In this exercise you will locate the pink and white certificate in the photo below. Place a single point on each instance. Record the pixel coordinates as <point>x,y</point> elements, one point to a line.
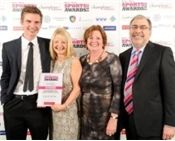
<point>50,89</point>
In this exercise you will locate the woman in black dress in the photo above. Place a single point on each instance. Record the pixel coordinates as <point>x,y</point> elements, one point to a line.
<point>100,87</point>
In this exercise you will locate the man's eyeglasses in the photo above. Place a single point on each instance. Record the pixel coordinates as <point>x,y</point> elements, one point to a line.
<point>142,27</point>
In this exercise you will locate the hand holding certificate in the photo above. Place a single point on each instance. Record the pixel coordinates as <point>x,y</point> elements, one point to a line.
<point>50,89</point>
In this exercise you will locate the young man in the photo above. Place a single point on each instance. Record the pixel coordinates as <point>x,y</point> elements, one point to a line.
<point>19,97</point>
<point>148,85</point>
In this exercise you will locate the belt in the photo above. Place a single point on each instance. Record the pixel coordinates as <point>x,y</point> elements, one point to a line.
<point>22,97</point>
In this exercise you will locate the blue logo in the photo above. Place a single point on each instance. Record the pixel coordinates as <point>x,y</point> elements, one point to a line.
<point>112,18</point>
<point>3,27</point>
<point>109,28</point>
<point>101,19</point>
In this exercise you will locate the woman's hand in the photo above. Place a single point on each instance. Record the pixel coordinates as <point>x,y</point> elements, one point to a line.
<point>58,107</point>
<point>111,127</point>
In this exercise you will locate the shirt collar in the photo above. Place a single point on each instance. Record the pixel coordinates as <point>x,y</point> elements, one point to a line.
<point>26,42</point>
<point>134,49</point>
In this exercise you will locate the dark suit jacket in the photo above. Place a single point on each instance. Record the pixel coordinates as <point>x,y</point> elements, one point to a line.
<point>11,56</point>
<point>153,89</point>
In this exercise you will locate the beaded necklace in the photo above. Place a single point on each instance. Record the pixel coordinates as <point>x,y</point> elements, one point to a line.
<point>96,61</point>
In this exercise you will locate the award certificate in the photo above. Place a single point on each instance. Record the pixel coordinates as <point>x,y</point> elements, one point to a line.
<point>50,89</point>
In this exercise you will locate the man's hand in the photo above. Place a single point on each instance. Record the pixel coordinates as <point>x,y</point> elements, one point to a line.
<point>168,132</point>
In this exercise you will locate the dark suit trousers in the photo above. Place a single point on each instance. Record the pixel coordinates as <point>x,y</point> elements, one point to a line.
<point>22,114</point>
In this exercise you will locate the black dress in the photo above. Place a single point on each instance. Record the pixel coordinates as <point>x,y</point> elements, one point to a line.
<point>100,95</point>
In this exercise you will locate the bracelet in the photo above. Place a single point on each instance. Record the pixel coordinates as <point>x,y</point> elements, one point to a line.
<point>114,117</point>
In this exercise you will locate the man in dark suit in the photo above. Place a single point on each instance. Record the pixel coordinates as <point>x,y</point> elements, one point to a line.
<point>151,85</point>
<point>19,105</point>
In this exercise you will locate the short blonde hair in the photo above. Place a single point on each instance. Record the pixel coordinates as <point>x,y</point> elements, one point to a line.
<point>67,37</point>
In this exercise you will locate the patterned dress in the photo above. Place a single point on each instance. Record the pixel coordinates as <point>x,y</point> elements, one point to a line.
<point>100,86</point>
<point>65,124</point>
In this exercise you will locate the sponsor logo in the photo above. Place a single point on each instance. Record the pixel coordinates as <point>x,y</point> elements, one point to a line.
<point>110,44</point>
<point>125,27</point>
<point>101,19</point>
<point>165,25</point>
<point>126,17</point>
<point>18,6</point>
<point>104,19</point>
<point>73,27</point>
<point>72,19</point>
<point>44,28</point>
<point>157,17</point>
<point>47,19</point>
<point>85,19</point>
<point>3,27</point>
<point>126,42</point>
<point>112,18</point>
<point>169,17</point>
<point>134,6</point>
<point>109,28</point>
<point>50,7</point>
<point>102,7</point>
<point>163,42</point>
<point>17,28</point>
<point>3,18</point>
<point>53,27</point>
<point>16,19</point>
<point>78,43</point>
<point>76,7</point>
<point>60,18</point>
<point>161,5</point>
<point>66,27</point>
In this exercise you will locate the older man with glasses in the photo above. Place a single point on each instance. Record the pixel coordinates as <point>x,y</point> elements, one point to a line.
<point>148,85</point>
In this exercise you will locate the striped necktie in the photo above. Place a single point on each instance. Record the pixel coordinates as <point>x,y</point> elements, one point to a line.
<point>133,66</point>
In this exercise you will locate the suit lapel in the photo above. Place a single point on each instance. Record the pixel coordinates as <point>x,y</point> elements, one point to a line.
<point>18,51</point>
<point>146,55</point>
<point>42,52</point>
<point>127,56</point>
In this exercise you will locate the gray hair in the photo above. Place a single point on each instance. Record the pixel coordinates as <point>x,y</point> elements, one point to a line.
<point>142,17</point>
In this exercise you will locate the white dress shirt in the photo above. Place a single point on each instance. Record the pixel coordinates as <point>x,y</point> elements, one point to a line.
<point>36,66</point>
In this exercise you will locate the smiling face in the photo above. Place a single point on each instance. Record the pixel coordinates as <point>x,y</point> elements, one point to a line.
<point>31,24</point>
<point>60,45</point>
<point>139,32</point>
<point>95,41</point>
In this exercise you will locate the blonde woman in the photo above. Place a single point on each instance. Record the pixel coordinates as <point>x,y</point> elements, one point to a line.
<point>65,124</point>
